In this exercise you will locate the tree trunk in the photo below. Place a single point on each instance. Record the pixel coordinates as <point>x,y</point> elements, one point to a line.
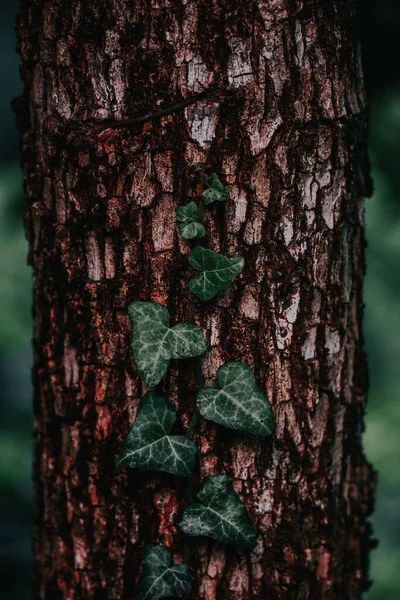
<point>122,100</point>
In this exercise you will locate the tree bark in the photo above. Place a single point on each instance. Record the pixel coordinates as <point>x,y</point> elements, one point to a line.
<point>122,100</point>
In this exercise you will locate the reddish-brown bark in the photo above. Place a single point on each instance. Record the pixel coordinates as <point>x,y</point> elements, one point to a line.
<point>281,118</point>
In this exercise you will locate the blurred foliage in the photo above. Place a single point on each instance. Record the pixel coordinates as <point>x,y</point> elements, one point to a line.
<point>382,336</point>
<point>15,275</point>
<point>15,396</point>
<point>16,509</point>
<point>379,24</point>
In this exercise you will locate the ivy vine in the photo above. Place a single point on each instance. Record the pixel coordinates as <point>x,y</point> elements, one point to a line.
<point>236,402</point>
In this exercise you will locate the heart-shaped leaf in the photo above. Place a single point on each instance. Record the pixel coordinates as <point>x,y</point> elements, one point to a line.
<point>148,444</point>
<point>154,343</point>
<point>187,216</point>
<point>188,213</point>
<point>238,403</point>
<point>219,514</point>
<point>160,578</point>
<point>216,272</point>
<point>189,231</point>
<point>216,191</point>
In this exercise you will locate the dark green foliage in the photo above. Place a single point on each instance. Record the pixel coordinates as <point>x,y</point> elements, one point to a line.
<point>161,578</point>
<point>238,403</point>
<point>189,228</point>
<point>215,190</point>
<point>154,343</point>
<point>148,444</point>
<point>219,514</point>
<point>216,272</point>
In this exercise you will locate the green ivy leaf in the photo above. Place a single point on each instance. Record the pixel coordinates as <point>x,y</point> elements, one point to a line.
<point>216,272</point>
<point>219,514</point>
<point>148,444</point>
<point>187,214</point>
<point>154,343</point>
<point>238,403</point>
<point>216,191</point>
<point>189,231</point>
<point>161,578</point>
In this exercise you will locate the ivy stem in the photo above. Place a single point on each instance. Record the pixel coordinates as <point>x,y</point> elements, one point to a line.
<point>198,368</point>
<point>199,385</point>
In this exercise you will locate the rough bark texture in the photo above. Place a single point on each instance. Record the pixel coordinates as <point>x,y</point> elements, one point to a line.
<point>268,94</point>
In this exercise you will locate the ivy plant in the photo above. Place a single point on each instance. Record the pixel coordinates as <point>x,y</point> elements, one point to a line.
<point>238,402</point>
<point>154,343</point>
<point>160,578</point>
<point>149,446</point>
<point>216,272</point>
<point>215,191</point>
<point>219,514</point>
<point>189,227</point>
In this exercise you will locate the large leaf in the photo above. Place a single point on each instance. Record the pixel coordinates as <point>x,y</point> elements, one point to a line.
<point>148,444</point>
<point>219,514</point>
<point>161,578</point>
<point>187,216</point>
<point>216,191</point>
<point>216,272</point>
<point>154,343</point>
<point>238,403</point>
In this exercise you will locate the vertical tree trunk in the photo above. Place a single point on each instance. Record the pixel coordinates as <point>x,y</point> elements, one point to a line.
<point>269,95</point>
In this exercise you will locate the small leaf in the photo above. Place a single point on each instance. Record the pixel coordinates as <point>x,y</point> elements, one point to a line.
<point>189,228</point>
<point>238,403</point>
<point>154,343</point>
<point>217,272</point>
<point>216,191</point>
<point>190,231</point>
<point>160,578</point>
<point>219,514</point>
<point>188,213</point>
<point>148,444</point>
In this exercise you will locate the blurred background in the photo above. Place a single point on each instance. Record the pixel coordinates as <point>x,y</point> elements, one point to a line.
<point>379,25</point>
